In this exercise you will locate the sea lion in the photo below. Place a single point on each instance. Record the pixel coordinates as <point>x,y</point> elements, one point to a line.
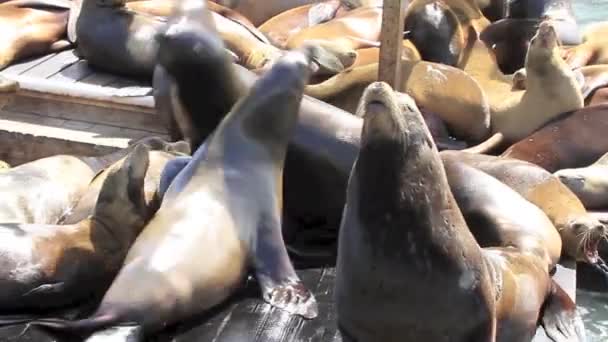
<point>401,224</point>
<point>597,97</point>
<point>250,46</point>
<point>590,184</point>
<point>188,112</point>
<point>152,196</point>
<point>575,139</point>
<point>560,12</point>
<point>551,89</point>
<point>509,40</point>
<point>588,53</point>
<point>229,202</point>
<point>42,191</point>
<point>580,232</point>
<point>372,55</point>
<point>493,9</point>
<point>31,28</point>
<point>113,38</point>
<point>359,28</point>
<point>447,91</point>
<point>500,217</point>
<point>49,266</point>
<point>257,12</point>
<point>286,24</point>
<point>440,29</point>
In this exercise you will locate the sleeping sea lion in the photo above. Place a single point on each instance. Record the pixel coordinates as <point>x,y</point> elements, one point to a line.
<point>574,139</point>
<point>551,89</point>
<point>48,266</point>
<point>113,38</point>
<point>258,12</point>
<point>31,28</point>
<point>590,184</point>
<point>580,232</point>
<point>228,200</point>
<point>44,190</point>
<point>409,269</point>
<point>447,91</point>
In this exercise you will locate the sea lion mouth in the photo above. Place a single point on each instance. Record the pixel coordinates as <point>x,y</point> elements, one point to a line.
<point>546,36</point>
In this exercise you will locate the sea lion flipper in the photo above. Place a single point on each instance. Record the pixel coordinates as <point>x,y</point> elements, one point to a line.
<point>560,319</point>
<point>330,58</point>
<point>281,287</point>
<point>322,12</point>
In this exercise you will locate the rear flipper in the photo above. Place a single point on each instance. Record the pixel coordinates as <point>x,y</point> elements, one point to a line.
<point>559,317</point>
<point>280,285</point>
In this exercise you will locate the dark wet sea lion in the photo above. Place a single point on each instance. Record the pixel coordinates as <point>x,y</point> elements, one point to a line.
<point>231,191</point>
<point>31,28</point>
<point>44,190</point>
<point>560,12</point>
<point>576,139</point>
<point>86,204</point>
<point>113,38</point>
<point>404,244</point>
<point>580,232</point>
<point>500,217</point>
<point>187,111</point>
<point>49,266</point>
<point>590,184</point>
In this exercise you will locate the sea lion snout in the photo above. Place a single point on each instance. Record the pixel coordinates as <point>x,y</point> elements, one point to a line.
<point>546,36</point>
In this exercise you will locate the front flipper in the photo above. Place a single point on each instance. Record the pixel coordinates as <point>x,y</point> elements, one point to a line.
<point>559,317</point>
<point>280,285</point>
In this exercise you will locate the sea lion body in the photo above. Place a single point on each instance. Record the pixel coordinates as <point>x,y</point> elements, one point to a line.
<point>573,140</point>
<point>372,55</point>
<point>390,237</point>
<point>31,29</point>
<point>48,266</point>
<point>500,217</point>
<point>257,12</point>
<point>580,232</point>
<point>113,38</point>
<point>447,91</point>
<point>590,184</point>
<point>359,28</point>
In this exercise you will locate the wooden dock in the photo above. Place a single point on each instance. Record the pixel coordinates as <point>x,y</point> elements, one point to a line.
<point>64,106</point>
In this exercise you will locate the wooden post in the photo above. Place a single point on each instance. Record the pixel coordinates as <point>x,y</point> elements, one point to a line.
<point>391,40</point>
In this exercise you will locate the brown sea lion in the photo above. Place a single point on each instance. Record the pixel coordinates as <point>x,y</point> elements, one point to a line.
<point>580,232</point>
<point>590,184</point>
<point>48,266</point>
<point>31,28</point>
<point>231,194</point>
<point>404,231</point>
<point>588,53</point>
<point>359,28</point>
<point>449,92</point>
<point>551,89</point>
<point>258,12</point>
<point>575,139</point>
<point>500,217</point>
<point>86,204</point>
<point>44,190</point>
<point>594,77</point>
<point>283,26</point>
<point>372,55</point>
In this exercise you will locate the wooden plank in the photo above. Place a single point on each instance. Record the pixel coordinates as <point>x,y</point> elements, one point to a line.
<point>53,65</point>
<point>393,16</point>
<point>83,93</point>
<point>19,68</point>
<point>73,73</point>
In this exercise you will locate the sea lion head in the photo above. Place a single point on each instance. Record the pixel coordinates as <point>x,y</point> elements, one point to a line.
<point>545,40</point>
<point>192,32</point>
<point>121,198</point>
<point>581,237</point>
<point>587,183</point>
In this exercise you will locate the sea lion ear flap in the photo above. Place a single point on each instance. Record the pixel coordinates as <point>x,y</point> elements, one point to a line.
<point>322,12</point>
